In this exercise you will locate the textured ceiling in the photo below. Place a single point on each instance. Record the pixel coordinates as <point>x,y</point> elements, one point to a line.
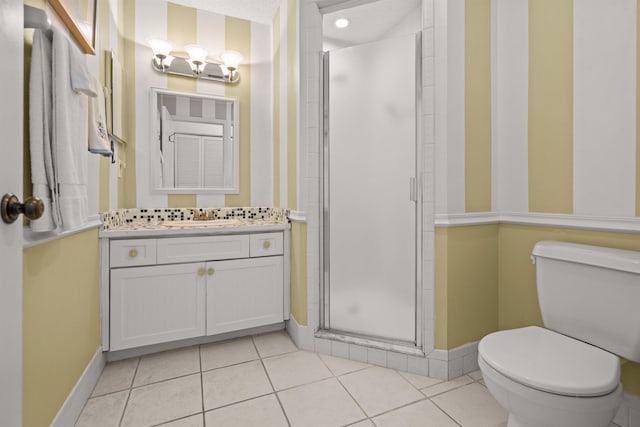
<point>252,10</point>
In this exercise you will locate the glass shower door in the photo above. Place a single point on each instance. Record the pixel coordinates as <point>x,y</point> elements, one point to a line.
<point>370,191</point>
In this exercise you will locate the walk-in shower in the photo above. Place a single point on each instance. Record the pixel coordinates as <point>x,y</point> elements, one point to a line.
<point>371,210</point>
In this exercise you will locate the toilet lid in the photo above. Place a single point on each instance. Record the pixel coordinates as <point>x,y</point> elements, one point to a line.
<point>548,361</point>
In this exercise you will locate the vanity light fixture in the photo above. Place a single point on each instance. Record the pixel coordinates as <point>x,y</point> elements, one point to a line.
<point>342,23</point>
<point>196,64</point>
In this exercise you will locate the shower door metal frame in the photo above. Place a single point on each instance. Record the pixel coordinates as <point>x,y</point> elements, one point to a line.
<point>417,190</point>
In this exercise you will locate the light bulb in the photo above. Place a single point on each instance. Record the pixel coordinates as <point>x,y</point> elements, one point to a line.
<point>231,59</point>
<point>342,23</point>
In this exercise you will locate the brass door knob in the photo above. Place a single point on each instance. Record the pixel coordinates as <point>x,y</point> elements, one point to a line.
<point>32,208</point>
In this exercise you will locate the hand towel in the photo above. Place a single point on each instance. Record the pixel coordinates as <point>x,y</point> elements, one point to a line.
<point>99,142</point>
<point>70,131</point>
<point>40,128</point>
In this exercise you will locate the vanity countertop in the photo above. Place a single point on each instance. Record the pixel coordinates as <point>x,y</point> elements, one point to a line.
<point>128,223</point>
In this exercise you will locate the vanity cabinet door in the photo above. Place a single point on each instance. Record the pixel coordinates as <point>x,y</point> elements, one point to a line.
<point>244,293</point>
<point>151,305</point>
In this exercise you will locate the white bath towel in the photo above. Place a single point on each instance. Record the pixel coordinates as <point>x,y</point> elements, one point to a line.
<point>70,130</point>
<point>99,142</point>
<point>40,128</point>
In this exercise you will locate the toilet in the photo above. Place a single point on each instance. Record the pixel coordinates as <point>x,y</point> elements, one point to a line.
<point>567,374</point>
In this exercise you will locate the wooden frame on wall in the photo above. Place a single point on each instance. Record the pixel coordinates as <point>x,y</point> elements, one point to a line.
<point>79,16</point>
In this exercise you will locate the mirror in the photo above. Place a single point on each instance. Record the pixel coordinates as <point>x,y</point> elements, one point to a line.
<point>195,146</point>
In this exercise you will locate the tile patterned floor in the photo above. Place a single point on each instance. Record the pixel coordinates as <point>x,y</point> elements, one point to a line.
<point>265,381</point>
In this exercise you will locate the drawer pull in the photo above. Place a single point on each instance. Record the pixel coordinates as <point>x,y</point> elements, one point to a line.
<point>201,272</point>
<point>133,253</point>
<point>266,244</point>
<point>210,271</point>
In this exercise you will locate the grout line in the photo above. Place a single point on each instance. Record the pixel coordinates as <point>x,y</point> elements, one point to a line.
<point>286,417</point>
<point>126,404</point>
<point>164,423</point>
<point>445,412</point>
<point>354,399</point>
<point>201,381</point>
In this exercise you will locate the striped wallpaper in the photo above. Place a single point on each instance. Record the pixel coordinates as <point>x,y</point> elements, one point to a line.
<point>560,108</point>
<point>215,32</point>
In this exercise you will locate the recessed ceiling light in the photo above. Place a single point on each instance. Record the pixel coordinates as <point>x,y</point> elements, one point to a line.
<point>342,23</point>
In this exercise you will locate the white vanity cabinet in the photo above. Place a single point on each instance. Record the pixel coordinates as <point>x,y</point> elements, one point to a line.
<point>173,288</point>
<point>244,293</point>
<point>161,303</point>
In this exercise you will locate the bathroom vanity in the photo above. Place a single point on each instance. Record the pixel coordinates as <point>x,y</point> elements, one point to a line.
<point>173,277</point>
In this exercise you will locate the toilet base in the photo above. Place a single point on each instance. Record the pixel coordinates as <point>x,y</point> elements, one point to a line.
<point>514,422</point>
<point>529,407</point>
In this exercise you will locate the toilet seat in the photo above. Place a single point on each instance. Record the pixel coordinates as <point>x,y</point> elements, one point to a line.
<point>548,361</point>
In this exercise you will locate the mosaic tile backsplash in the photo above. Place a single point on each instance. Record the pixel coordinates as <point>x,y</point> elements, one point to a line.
<point>131,217</point>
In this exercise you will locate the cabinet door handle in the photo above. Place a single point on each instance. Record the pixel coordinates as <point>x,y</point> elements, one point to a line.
<point>266,244</point>
<point>210,271</point>
<point>201,272</point>
<point>133,253</point>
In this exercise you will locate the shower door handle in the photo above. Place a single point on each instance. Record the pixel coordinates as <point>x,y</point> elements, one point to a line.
<point>413,190</point>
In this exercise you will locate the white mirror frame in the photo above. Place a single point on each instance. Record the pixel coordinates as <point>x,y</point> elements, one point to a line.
<point>154,155</point>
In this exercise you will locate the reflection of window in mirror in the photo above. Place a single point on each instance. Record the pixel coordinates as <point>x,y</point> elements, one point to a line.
<point>196,149</point>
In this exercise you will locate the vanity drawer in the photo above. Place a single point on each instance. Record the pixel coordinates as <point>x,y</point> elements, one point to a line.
<point>207,248</point>
<point>130,253</point>
<point>266,244</point>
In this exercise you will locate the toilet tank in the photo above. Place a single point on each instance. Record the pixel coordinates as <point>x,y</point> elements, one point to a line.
<point>590,293</point>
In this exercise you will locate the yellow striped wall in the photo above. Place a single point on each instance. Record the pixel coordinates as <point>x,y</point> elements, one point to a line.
<point>286,145</point>
<point>559,168</point>
<point>478,106</point>
<point>180,25</point>
<point>551,106</point>
<point>275,30</point>
<point>127,192</point>
<point>238,38</point>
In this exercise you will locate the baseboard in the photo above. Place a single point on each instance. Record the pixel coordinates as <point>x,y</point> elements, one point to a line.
<point>302,336</point>
<point>73,405</point>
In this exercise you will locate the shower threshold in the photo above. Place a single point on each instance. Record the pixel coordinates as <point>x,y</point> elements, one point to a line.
<point>395,346</point>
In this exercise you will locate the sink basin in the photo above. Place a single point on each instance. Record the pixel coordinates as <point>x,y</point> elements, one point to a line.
<point>204,223</point>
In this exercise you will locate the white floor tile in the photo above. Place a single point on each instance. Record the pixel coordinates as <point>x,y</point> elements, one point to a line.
<point>218,355</point>
<point>378,390</point>
<point>339,366</point>
<point>116,376</point>
<point>103,411</point>
<point>274,344</point>
<point>472,406</point>
<point>364,423</point>
<point>193,421</point>
<point>447,386</point>
<point>264,412</point>
<point>324,403</point>
<point>421,414</point>
<point>167,365</point>
<point>234,383</point>
<point>294,369</point>
<point>476,375</point>
<point>164,401</point>
<point>419,381</point>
